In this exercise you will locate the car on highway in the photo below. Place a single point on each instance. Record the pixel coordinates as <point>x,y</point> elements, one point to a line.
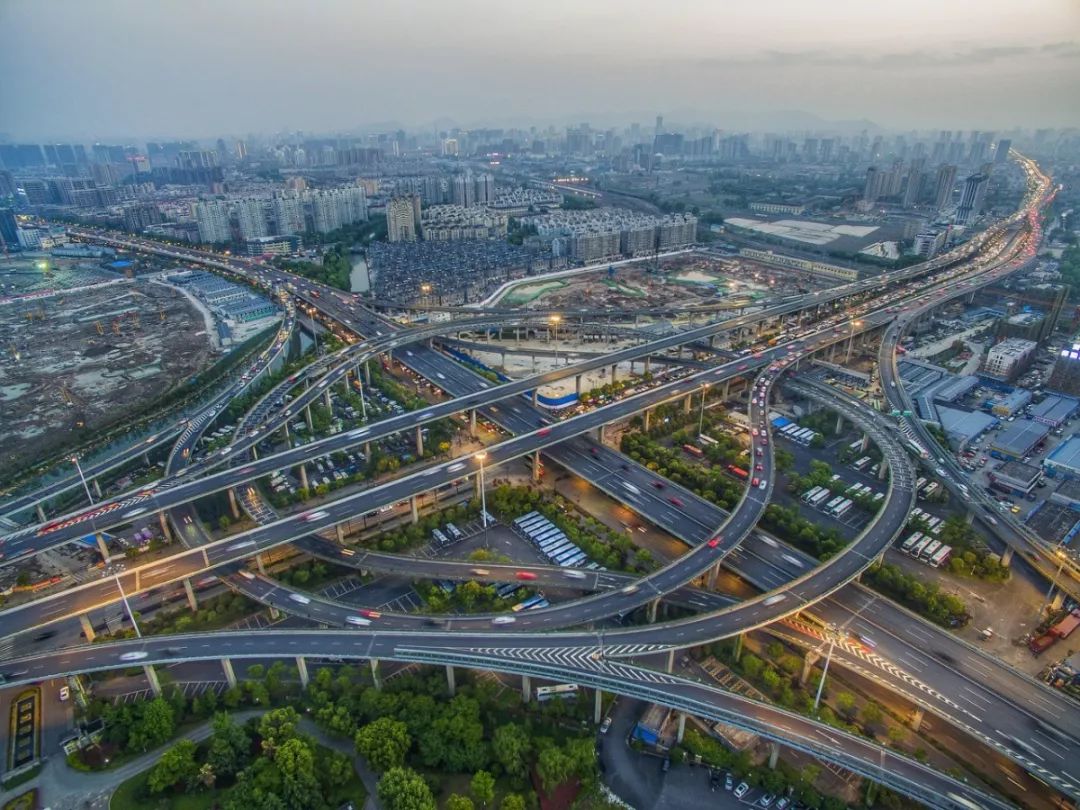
<point>676,501</point>
<point>367,613</point>
<point>480,572</point>
<point>247,575</point>
<point>504,620</point>
<point>544,432</point>
<point>575,574</point>
<point>300,599</point>
<point>359,621</point>
<point>310,516</point>
<point>631,487</point>
<point>714,542</point>
<point>774,600</point>
<point>754,482</point>
<point>239,546</point>
<point>134,656</point>
<point>525,575</point>
<point>658,484</point>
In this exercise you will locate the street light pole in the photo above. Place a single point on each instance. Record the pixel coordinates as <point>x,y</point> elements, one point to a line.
<point>701,414</point>
<point>483,494</point>
<point>824,672</point>
<point>75,461</point>
<point>555,320</point>
<point>127,605</point>
<point>851,338</point>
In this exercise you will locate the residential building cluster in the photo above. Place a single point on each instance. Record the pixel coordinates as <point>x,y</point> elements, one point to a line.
<point>443,223</point>
<point>284,214</point>
<point>594,235</point>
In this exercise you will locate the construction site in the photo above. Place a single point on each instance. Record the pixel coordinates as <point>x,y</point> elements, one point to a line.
<point>685,280</point>
<point>72,363</point>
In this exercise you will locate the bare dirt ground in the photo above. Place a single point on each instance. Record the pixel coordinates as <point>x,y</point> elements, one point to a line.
<point>74,363</point>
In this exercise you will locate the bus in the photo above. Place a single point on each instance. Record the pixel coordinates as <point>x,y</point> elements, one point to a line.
<point>577,560</point>
<point>555,551</point>
<point>808,436</point>
<point>920,483</point>
<point>790,429</point>
<point>910,542</point>
<point>562,692</point>
<point>532,524</point>
<point>879,497</point>
<point>543,603</point>
<point>835,502</point>
<point>861,463</point>
<point>694,451</point>
<point>507,589</point>
<point>916,549</point>
<point>532,601</point>
<point>941,556</point>
<point>571,553</point>
<point>440,538</point>
<point>454,531</point>
<point>706,439</point>
<point>929,550</point>
<point>853,489</point>
<point>810,493</point>
<point>541,536</point>
<point>855,446</point>
<point>554,545</point>
<point>738,472</point>
<point>819,498</point>
<point>841,508</point>
<point>930,490</point>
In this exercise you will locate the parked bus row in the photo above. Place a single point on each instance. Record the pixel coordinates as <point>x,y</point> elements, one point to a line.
<point>927,549</point>
<point>799,435</point>
<point>552,542</point>
<point>819,498</point>
<point>451,535</point>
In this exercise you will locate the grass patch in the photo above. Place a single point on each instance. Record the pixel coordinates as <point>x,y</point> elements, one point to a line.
<point>27,801</point>
<point>22,778</point>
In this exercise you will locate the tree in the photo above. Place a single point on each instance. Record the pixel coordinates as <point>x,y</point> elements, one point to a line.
<point>155,725</point>
<point>175,765</point>
<point>512,801</point>
<point>553,767</point>
<point>295,760</point>
<point>404,789</point>
<point>277,727</point>
<point>206,776</point>
<point>383,743</point>
<point>511,745</point>
<point>483,788</point>
<point>872,714</point>
<point>458,802</point>
<point>229,747</point>
<point>845,702</point>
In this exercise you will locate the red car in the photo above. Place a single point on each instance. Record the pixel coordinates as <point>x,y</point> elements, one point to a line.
<point>543,431</point>
<point>754,482</point>
<point>743,367</point>
<point>370,614</point>
<point>526,575</point>
<point>676,501</point>
<point>714,542</point>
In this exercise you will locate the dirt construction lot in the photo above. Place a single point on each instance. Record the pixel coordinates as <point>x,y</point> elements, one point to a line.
<point>75,363</point>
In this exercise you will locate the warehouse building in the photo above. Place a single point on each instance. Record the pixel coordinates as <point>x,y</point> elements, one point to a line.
<point>1015,478</point>
<point>1064,462</point>
<point>1017,440</point>
<point>1054,410</point>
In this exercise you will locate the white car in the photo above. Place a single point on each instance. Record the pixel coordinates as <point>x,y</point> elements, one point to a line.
<point>241,545</point>
<point>247,575</point>
<point>300,599</point>
<point>310,516</point>
<point>503,620</point>
<point>134,656</point>
<point>359,621</point>
<point>575,574</point>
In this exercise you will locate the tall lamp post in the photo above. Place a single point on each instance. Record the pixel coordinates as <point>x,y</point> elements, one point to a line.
<point>123,596</point>
<point>483,495</point>
<point>554,319</point>
<point>851,338</point>
<point>1054,583</point>
<point>75,461</point>
<point>701,413</point>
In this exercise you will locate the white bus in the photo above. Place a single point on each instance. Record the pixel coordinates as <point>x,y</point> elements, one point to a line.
<point>810,493</point>
<point>910,542</point>
<point>941,556</point>
<point>861,463</point>
<point>835,502</point>
<point>929,550</point>
<point>916,549</point>
<point>841,508</point>
<point>819,498</point>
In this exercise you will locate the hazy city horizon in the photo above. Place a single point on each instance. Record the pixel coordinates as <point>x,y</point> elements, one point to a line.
<point>263,68</point>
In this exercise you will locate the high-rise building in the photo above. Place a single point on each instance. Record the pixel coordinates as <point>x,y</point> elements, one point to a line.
<point>873,185</point>
<point>1002,151</point>
<point>928,243</point>
<point>212,217</point>
<point>943,187</point>
<point>140,216</point>
<point>971,198</point>
<point>241,151</point>
<point>288,212</point>
<point>402,214</point>
<point>251,218</point>
<point>9,229</point>
<point>915,179</point>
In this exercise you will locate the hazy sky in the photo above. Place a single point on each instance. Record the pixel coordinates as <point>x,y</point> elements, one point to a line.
<point>94,68</point>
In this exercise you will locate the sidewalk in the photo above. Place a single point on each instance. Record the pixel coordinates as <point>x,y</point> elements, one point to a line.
<point>61,787</point>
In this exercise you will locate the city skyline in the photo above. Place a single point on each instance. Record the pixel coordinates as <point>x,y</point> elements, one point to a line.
<point>793,66</point>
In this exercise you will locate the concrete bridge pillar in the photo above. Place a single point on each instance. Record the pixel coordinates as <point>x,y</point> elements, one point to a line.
<point>865,442</point>
<point>536,466</point>
<point>165,530</point>
<point>97,488</point>
<point>614,372</point>
<point>883,470</point>
<point>1056,602</point>
<point>1006,558</point>
<point>648,365</point>
<point>303,477</point>
<point>970,518</point>
<point>671,660</point>
<point>255,452</point>
<point>152,678</point>
<point>367,372</point>
<point>103,547</point>
<point>577,385</point>
<point>536,397</point>
<point>414,509</point>
<point>287,436</point>
<point>648,413</point>
<point>774,755</point>
<point>686,404</point>
<point>326,397</point>
<point>714,574</point>
<point>189,591</point>
<point>727,389</point>
<point>339,530</point>
<point>600,433</point>
<point>419,443</point>
<point>87,627</point>
<point>682,727</point>
<point>301,668</point>
<point>598,706</point>
<point>233,506</point>
<point>451,688</point>
<point>739,646</point>
<point>839,424</point>
<point>260,564</point>
<point>230,674</point>
<point>376,680</point>
<point>653,605</point>
<point>472,423</point>
<point>41,514</point>
<point>526,689</point>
